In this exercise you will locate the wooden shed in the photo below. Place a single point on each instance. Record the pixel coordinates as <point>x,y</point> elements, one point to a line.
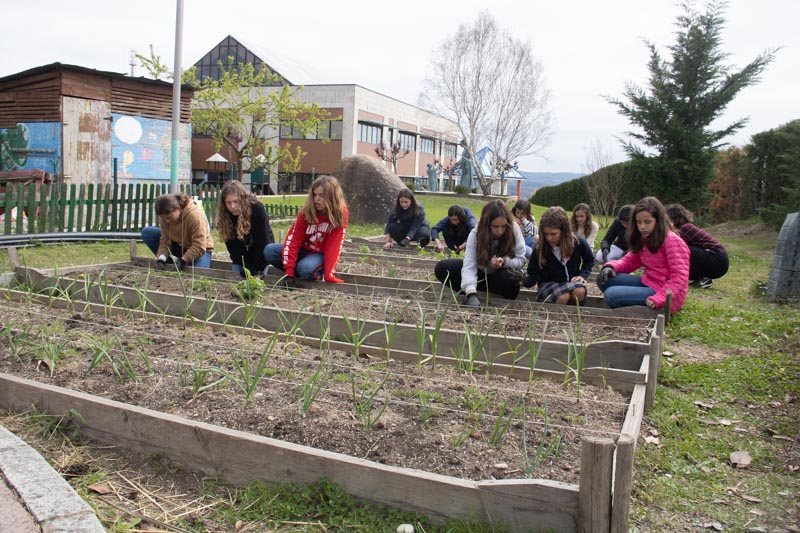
<point>72,122</point>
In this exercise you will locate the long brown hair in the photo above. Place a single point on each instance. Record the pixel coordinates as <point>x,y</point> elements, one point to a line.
<point>224,217</point>
<point>334,201</point>
<point>652,205</point>
<point>507,243</point>
<point>555,217</point>
<point>413,208</point>
<point>587,226</point>
<point>167,203</point>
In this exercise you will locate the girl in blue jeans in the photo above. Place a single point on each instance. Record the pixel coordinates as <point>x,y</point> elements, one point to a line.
<point>183,236</point>
<point>663,254</point>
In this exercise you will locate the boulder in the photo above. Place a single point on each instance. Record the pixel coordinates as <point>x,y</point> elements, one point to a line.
<point>369,188</point>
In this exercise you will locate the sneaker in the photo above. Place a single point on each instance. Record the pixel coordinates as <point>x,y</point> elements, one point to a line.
<point>703,283</point>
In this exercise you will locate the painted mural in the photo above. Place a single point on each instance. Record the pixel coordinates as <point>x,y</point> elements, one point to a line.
<point>142,147</point>
<point>31,145</point>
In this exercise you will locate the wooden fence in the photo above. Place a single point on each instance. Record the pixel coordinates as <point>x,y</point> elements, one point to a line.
<point>61,207</point>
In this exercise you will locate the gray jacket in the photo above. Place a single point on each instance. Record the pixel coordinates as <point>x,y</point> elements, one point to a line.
<point>469,270</point>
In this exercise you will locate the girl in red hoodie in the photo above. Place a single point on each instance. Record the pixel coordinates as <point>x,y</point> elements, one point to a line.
<point>312,246</point>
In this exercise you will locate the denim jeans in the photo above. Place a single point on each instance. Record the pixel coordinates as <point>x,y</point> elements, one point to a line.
<point>309,264</point>
<point>624,290</point>
<point>151,235</point>
<point>239,270</point>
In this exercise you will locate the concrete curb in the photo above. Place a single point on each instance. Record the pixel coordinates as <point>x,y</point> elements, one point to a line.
<point>42,494</point>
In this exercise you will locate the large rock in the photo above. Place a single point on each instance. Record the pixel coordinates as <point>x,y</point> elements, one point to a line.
<point>370,189</point>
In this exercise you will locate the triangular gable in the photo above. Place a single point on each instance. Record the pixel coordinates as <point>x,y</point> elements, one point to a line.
<point>241,53</point>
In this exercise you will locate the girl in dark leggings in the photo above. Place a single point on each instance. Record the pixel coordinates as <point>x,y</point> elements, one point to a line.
<point>493,258</point>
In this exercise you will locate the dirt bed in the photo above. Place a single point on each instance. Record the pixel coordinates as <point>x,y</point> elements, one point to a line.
<point>438,419</point>
<point>519,320</point>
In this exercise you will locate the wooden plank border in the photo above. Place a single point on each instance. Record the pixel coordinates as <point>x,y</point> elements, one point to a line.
<point>241,458</point>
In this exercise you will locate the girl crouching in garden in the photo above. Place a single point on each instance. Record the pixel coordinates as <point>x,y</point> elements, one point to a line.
<point>493,258</point>
<point>183,236</point>
<point>312,246</point>
<point>561,261</point>
<point>243,225</point>
<point>665,257</point>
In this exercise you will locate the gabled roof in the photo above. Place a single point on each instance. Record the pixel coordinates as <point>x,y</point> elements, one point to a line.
<point>485,158</point>
<point>292,71</point>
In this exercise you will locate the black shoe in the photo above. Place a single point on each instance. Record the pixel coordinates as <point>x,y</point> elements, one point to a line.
<point>702,283</point>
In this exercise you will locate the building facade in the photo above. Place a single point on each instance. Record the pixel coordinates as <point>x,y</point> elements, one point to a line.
<point>73,122</point>
<point>362,120</point>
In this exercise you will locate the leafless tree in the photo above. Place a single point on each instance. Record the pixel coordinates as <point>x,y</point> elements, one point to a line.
<point>603,181</point>
<point>490,84</point>
<point>391,153</point>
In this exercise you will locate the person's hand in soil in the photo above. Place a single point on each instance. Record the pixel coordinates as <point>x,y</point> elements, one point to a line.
<point>289,283</point>
<point>388,245</point>
<point>473,301</point>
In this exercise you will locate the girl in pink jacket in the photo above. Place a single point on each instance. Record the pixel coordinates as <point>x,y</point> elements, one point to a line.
<point>663,254</point>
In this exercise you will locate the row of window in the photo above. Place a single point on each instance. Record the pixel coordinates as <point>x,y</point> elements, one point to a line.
<point>373,134</point>
<point>328,129</point>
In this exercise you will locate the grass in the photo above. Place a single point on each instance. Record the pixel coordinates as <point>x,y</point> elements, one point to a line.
<point>731,384</point>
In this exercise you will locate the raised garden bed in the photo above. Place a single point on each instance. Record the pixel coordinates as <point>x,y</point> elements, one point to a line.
<point>473,477</point>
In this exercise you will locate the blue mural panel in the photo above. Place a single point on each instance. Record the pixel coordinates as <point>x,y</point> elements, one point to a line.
<point>142,147</point>
<point>31,145</point>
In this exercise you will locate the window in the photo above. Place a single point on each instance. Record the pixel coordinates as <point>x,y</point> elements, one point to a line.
<point>408,141</point>
<point>336,129</point>
<point>327,129</point>
<point>449,151</point>
<point>427,145</point>
<point>369,133</point>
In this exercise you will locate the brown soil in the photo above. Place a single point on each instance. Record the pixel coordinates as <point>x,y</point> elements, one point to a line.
<point>436,419</point>
<point>516,320</point>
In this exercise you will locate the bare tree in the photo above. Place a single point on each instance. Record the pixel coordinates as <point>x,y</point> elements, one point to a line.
<point>489,83</point>
<point>603,180</point>
<point>391,154</point>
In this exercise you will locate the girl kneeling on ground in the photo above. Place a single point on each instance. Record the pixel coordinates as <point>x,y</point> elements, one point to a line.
<point>312,246</point>
<point>493,258</point>
<point>561,261</point>
<point>183,236</point>
<point>665,257</point>
<point>243,224</point>
<point>454,229</point>
<point>407,222</point>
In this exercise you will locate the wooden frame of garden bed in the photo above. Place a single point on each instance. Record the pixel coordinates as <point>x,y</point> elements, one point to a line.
<point>616,363</point>
<point>599,503</point>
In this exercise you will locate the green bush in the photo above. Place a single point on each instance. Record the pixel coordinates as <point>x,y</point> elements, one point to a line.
<point>461,189</point>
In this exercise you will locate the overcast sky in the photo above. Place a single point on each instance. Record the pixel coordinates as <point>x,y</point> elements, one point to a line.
<point>588,48</point>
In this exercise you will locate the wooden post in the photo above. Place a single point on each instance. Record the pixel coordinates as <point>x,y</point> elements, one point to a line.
<point>133,248</point>
<point>652,372</point>
<point>594,496</point>
<point>13,258</point>
<point>668,306</point>
<point>623,476</point>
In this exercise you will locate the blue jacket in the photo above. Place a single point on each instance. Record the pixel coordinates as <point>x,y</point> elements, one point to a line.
<point>442,224</point>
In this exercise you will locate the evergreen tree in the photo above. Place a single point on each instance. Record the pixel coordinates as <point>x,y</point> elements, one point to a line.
<point>686,93</point>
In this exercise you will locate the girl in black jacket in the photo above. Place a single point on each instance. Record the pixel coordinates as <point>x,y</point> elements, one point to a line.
<point>244,226</point>
<point>407,222</point>
<point>561,261</point>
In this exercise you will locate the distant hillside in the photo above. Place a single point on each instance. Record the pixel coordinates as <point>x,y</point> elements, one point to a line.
<point>534,180</point>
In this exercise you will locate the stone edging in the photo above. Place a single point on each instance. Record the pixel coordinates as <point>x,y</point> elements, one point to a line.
<point>50,500</point>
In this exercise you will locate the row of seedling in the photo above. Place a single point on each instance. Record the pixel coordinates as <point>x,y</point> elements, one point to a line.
<point>245,372</point>
<point>470,355</point>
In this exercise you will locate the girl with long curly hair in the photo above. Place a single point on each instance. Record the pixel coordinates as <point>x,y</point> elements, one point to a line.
<point>243,225</point>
